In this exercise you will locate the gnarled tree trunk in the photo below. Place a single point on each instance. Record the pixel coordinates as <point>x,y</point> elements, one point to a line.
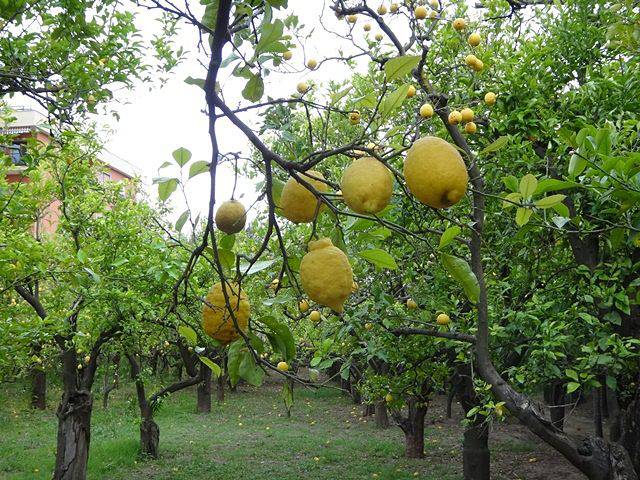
<point>38,388</point>
<point>382,418</point>
<point>204,391</point>
<point>413,428</point>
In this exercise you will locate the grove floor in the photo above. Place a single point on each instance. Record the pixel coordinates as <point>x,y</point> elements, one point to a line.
<point>249,437</point>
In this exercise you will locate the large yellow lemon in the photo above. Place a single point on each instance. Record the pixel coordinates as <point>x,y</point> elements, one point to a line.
<point>435,172</point>
<point>326,275</point>
<point>231,217</point>
<point>216,316</point>
<point>367,185</point>
<point>299,204</point>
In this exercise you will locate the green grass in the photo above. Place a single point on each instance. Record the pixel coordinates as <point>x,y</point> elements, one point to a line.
<point>247,437</point>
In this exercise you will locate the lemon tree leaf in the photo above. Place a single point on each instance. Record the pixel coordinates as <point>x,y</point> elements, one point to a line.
<point>198,167</point>
<point>528,185</point>
<point>400,66</point>
<point>495,145</point>
<point>510,199</point>
<point>280,337</point>
<point>188,333</point>
<point>166,188</point>
<point>522,216</point>
<point>461,271</point>
<point>254,89</point>
<point>181,156</point>
<point>379,258</point>
<point>214,367</point>
<point>550,201</point>
<point>182,220</point>
<point>227,257</point>
<point>248,369</point>
<point>287,395</point>
<point>256,267</point>
<point>394,100</point>
<point>449,235</point>
<point>234,357</point>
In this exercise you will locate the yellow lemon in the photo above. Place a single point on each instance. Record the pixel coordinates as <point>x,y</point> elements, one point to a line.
<point>434,4</point>
<point>459,24</point>
<point>299,204</point>
<point>315,316</point>
<point>478,65</point>
<point>368,326</point>
<point>379,37</point>
<point>455,117</point>
<point>352,18</point>
<point>287,55</point>
<point>312,63</point>
<point>354,118</point>
<point>302,88</point>
<point>474,39</point>
<point>470,127</point>
<point>282,366</point>
<point>231,217</point>
<point>216,316</point>
<point>411,304</point>
<point>490,98</point>
<point>303,305</point>
<point>443,319</point>
<point>470,60</point>
<point>411,92</point>
<point>467,114</point>
<point>367,185</point>
<point>326,275</point>
<point>394,8</point>
<point>382,9</point>
<point>426,111</point>
<point>435,172</point>
<point>420,12</point>
<point>367,27</point>
<point>388,398</point>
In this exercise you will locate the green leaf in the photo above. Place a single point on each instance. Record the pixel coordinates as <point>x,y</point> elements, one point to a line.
<point>188,334</point>
<point>166,188</point>
<point>528,185</point>
<point>211,14</point>
<point>214,367</point>
<point>198,82</point>
<point>550,201</point>
<point>283,337</point>
<point>227,241</point>
<point>227,258</point>
<point>181,156</point>
<point>577,165</point>
<point>510,199</point>
<point>182,220</point>
<point>271,33</point>
<point>394,100</point>
<point>379,258</point>
<point>461,271</point>
<point>198,167</point>
<point>552,185</point>
<point>510,182</point>
<point>523,215</point>
<point>572,374</point>
<point>449,235</point>
<point>572,387</point>
<point>287,395</point>
<point>256,267</point>
<point>248,369</point>
<point>234,357</point>
<point>400,66</point>
<point>254,89</point>
<point>496,145</point>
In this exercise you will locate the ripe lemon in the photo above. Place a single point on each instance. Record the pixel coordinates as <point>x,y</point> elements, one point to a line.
<point>367,185</point>
<point>282,366</point>
<point>352,18</point>
<point>302,88</point>
<point>355,287</point>
<point>443,319</point>
<point>420,12</point>
<point>354,118</point>
<point>478,65</point>
<point>312,63</point>
<point>326,275</point>
<point>315,316</point>
<point>426,111</point>
<point>467,114</point>
<point>474,39</point>
<point>379,37</point>
<point>368,326</point>
<point>382,9</point>
<point>216,316</point>
<point>455,117</point>
<point>303,305</point>
<point>435,172</point>
<point>470,60</point>
<point>470,127</point>
<point>490,98</point>
<point>299,204</point>
<point>287,55</point>
<point>231,217</point>
<point>411,92</point>
<point>434,4</point>
<point>388,398</point>
<point>459,24</point>
<point>394,8</point>
<point>367,27</point>
<point>411,304</point>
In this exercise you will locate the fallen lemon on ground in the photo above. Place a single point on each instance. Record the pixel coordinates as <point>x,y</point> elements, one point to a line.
<point>443,319</point>
<point>367,186</point>
<point>299,204</point>
<point>435,172</point>
<point>231,217</point>
<point>216,315</point>
<point>388,398</point>
<point>326,274</point>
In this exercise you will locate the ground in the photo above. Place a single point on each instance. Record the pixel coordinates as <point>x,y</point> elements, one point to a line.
<point>250,437</point>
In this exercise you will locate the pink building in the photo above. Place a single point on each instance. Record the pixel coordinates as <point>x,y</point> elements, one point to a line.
<point>32,124</point>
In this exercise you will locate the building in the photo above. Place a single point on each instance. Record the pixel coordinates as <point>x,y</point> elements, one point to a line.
<point>29,124</point>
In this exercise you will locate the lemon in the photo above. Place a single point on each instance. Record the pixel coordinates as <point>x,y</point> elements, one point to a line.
<point>216,315</point>
<point>434,4</point>
<point>367,27</point>
<point>282,366</point>
<point>426,111</point>
<point>312,63</point>
<point>287,55</point>
<point>455,117</point>
<point>352,18</point>
<point>470,127</point>
<point>315,316</point>
<point>474,39</point>
<point>379,37</point>
<point>299,204</point>
<point>302,88</point>
<point>411,92</point>
<point>411,304</point>
<point>354,118</point>
<point>435,172</point>
<point>326,275</point>
<point>420,12</point>
<point>443,319</point>
<point>388,398</point>
<point>467,114</point>
<point>478,65</point>
<point>367,185</point>
<point>394,8</point>
<point>303,305</point>
<point>368,326</point>
<point>355,287</point>
<point>231,217</point>
<point>490,98</point>
<point>470,60</point>
<point>459,24</point>
<point>382,9</point>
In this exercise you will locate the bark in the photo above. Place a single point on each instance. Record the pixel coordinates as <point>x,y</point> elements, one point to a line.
<point>413,428</point>
<point>204,391</point>
<point>382,418</point>
<point>220,388</point>
<point>597,413</point>
<point>627,432</point>
<point>149,437</point>
<point>368,409</point>
<point>555,398</point>
<point>38,388</point>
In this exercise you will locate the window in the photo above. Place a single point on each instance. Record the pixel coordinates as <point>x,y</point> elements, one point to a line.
<point>17,151</point>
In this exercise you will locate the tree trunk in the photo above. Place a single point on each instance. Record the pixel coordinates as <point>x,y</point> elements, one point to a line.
<point>368,409</point>
<point>382,418</point>
<point>555,398</point>
<point>626,429</point>
<point>597,413</point>
<point>74,431</point>
<point>38,388</point>
<point>149,437</point>
<point>450,396</point>
<point>413,428</point>
<point>220,390</point>
<point>476,459</point>
<point>204,391</point>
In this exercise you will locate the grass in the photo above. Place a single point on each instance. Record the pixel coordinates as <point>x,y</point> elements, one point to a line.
<point>247,437</point>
